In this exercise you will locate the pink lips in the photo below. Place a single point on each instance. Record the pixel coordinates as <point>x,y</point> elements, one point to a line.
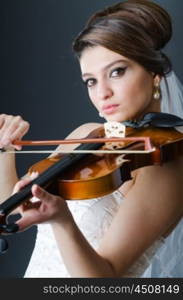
<point>109,109</point>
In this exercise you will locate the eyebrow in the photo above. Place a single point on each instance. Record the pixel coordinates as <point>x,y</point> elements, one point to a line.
<point>106,67</point>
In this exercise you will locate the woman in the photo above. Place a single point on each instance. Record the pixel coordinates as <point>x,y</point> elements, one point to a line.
<point>122,66</point>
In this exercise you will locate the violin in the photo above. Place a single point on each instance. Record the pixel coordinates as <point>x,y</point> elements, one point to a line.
<point>84,175</point>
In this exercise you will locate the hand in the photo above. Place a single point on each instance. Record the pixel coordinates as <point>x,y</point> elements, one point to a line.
<point>47,208</point>
<point>12,128</point>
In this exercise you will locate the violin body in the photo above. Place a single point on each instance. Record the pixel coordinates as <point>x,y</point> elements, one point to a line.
<point>85,176</point>
<point>96,176</point>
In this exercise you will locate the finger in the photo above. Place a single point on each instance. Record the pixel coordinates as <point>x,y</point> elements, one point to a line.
<point>14,134</point>
<point>14,128</point>
<point>23,182</point>
<point>40,193</point>
<point>30,218</point>
<point>20,184</point>
<point>4,125</point>
<point>19,133</point>
<point>2,120</point>
<point>10,122</point>
<point>30,204</point>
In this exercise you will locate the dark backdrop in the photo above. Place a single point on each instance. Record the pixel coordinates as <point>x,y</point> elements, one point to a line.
<point>40,80</point>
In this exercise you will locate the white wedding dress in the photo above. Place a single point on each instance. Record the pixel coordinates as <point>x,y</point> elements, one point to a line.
<point>93,218</point>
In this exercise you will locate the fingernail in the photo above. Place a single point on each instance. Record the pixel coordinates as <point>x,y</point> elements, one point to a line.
<point>34,175</point>
<point>34,186</point>
<point>17,147</point>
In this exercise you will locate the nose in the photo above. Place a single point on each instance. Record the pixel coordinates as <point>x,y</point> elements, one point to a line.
<point>104,91</point>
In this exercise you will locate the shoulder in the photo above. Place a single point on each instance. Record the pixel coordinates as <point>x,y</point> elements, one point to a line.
<point>164,181</point>
<point>80,132</point>
<point>158,191</point>
<point>161,176</point>
<point>83,130</point>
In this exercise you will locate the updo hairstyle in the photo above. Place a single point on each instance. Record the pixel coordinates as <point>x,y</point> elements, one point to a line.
<point>136,29</point>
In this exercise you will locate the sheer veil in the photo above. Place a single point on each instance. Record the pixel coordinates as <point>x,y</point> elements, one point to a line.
<point>168,260</point>
<point>172,95</point>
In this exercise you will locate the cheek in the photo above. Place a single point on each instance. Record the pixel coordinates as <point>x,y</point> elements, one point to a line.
<point>146,92</point>
<point>92,97</point>
<point>140,92</point>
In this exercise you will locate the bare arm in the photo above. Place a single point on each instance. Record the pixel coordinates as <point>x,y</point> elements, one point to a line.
<point>11,128</point>
<point>8,175</point>
<point>153,204</point>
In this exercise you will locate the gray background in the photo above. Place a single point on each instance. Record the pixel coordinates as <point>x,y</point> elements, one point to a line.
<point>40,80</point>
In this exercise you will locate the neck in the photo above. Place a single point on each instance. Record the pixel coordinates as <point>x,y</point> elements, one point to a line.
<point>155,106</point>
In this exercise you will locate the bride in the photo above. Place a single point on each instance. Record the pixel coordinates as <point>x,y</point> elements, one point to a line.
<point>134,231</point>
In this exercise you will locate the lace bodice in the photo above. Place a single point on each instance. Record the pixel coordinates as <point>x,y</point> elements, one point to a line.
<point>93,218</point>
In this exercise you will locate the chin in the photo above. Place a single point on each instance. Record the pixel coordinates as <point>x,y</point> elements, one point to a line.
<point>117,118</point>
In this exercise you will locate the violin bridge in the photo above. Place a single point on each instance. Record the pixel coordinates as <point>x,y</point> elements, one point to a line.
<point>114,129</point>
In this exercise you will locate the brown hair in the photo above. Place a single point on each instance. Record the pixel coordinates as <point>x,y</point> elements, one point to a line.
<point>136,29</point>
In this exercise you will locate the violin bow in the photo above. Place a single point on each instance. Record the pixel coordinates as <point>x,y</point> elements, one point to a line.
<point>146,140</point>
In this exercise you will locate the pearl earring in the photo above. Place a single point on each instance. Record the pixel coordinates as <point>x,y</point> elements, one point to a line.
<point>157,92</point>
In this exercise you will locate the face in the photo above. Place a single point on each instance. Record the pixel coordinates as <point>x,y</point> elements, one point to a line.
<point>119,88</point>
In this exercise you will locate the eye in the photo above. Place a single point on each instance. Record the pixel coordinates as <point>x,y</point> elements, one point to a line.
<point>89,82</point>
<point>118,72</point>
